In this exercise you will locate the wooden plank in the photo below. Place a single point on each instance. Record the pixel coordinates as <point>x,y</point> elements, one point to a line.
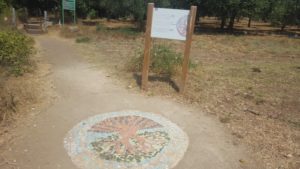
<point>187,50</point>
<point>145,72</point>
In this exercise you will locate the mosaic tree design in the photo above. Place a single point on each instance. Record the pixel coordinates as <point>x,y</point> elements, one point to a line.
<point>133,138</point>
<point>126,139</point>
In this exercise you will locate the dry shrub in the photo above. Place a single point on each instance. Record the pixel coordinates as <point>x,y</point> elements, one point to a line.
<point>14,93</point>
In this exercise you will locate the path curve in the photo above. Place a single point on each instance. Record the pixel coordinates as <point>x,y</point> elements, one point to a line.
<point>84,92</point>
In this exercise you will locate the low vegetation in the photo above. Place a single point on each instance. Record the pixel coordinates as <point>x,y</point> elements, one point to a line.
<point>164,60</point>
<point>125,32</point>
<point>15,59</point>
<point>15,51</point>
<point>82,39</point>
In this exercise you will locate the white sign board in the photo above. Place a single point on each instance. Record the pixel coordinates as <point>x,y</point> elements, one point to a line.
<point>169,23</point>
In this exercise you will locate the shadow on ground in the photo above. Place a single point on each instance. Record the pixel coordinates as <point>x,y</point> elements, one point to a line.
<point>155,78</point>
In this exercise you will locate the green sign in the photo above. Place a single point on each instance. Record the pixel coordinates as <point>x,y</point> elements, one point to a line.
<point>69,5</point>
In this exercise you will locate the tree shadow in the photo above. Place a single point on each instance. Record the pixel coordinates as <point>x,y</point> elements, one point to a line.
<point>152,78</point>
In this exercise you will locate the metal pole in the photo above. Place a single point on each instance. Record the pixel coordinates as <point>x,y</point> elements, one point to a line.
<point>14,17</point>
<point>63,15</point>
<point>45,16</point>
<point>45,20</point>
<point>74,11</point>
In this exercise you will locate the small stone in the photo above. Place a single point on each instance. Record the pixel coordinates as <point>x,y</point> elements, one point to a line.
<point>241,161</point>
<point>280,167</point>
<point>288,156</point>
<point>1,141</point>
<point>256,69</point>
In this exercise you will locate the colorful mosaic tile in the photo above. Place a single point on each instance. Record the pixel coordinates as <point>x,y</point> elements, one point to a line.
<point>126,140</point>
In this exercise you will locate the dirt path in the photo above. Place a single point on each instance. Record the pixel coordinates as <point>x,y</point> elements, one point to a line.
<point>84,92</point>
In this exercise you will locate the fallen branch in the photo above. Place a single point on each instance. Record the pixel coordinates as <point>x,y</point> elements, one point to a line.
<point>252,112</point>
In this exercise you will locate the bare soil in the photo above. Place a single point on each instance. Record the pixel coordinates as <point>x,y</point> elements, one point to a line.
<point>84,91</point>
<point>249,82</point>
<point>240,110</point>
<point>22,97</point>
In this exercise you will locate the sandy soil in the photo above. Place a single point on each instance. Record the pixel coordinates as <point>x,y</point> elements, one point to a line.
<point>84,91</point>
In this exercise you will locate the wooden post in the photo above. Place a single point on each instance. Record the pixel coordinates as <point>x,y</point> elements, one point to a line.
<point>188,43</point>
<point>146,62</point>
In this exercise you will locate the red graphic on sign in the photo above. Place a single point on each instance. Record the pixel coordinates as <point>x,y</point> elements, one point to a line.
<point>182,25</point>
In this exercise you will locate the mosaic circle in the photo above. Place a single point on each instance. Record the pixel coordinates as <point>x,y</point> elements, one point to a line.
<point>126,140</point>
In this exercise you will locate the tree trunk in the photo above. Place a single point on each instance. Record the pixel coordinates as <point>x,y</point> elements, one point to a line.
<point>249,21</point>
<point>108,16</point>
<point>283,26</point>
<point>197,16</point>
<point>223,22</point>
<point>231,22</point>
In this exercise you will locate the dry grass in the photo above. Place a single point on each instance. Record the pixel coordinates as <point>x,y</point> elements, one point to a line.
<point>250,83</point>
<point>261,70</point>
<point>18,94</point>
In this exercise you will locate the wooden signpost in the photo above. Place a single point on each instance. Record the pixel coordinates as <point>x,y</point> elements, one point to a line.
<point>169,24</point>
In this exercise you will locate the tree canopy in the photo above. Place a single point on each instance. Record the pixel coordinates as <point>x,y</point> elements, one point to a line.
<point>278,12</point>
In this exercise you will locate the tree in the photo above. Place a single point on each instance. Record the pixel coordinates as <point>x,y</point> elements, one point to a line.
<point>138,10</point>
<point>2,5</point>
<point>226,9</point>
<point>286,12</point>
<point>82,7</point>
<point>35,7</point>
<point>253,9</point>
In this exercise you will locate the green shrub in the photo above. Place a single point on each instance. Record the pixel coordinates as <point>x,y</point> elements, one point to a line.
<point>124,32</point>
<point>2,5</point>
<point>22,15</point>
<point>82,39</point>
<point>92,14</point>
<point>5,19</point>
<point>163,60</point>
<point>15,49</point>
